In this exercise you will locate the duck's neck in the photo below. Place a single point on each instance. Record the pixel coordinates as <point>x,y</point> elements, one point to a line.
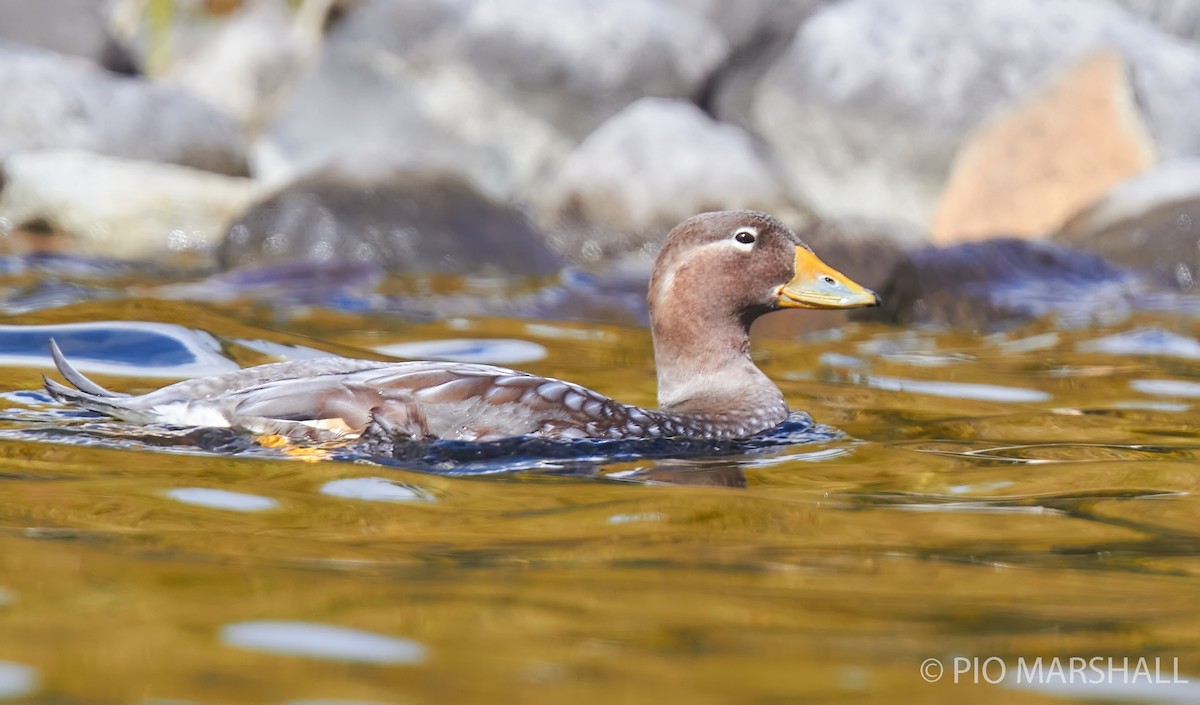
<point>704,367</point>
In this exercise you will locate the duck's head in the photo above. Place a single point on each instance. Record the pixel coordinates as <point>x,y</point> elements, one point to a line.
<point>744,264</point>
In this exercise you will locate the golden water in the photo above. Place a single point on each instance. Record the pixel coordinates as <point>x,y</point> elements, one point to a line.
<point>940,527</point>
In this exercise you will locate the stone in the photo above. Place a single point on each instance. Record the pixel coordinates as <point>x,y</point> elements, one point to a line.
<point>51,101</point>
<point>1026,172</point>
<point>246,65</point>
<point>89,204</point>
<point>869,106</point>
<point>758,31</point>
<point>1178,17</point>
<point>1000,283</point>
<point>579,64</point>
<point>73,27</point>
<point>1162,241</point>
<point>656,163</point>
<point>1150,223</point>
<point>1165,183</point>
<point>478,89</point>
<point>405,220</point>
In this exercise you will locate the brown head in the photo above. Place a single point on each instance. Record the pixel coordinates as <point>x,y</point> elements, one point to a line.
<point>745,264</point>
<point>716,274</point>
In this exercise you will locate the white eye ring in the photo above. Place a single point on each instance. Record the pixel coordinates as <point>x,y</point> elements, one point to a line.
<point>745,235</point>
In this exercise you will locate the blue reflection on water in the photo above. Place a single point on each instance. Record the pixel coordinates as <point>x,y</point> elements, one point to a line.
<point>117,347</point>
<point>322,641</point>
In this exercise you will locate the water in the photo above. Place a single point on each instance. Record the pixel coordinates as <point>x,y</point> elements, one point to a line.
<point>1008,496</point>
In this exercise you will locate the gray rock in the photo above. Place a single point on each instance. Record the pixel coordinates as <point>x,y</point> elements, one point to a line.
<point>869,105</point>
<point>578,64</point>
<point>1162,239</point>
<point>52,101</point>
<point>404,220</point>
<point>1179,17</point>
<point>746,21</point>
<point>89,204</point>
<point>656,163</point>
<point>75,27</point>
<point>1150,222</point>
<point>758,31</point>
<point>997,284</point>
<point>1166,183</point>
<point>479,88</point>
<point>247,64</point>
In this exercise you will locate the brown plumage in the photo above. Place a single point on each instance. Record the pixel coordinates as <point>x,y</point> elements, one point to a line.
<point>716,274</point>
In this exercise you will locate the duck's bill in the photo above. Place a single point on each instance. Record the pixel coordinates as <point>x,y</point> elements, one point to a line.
<point>817,285</point>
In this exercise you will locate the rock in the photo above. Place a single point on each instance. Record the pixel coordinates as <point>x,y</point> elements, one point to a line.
<point>74,27</point>
<point>257,53</point>
<point>1165,183</point>
<point>868,108</point>
<point>52,101</point>
<point>999,283</point>
<point>481,90</point>
<point>1178,17</point>
<point>1150,223</point>
<point>90,204</point>
<point>656,163</point>
<point>1026,172</point>
<point>1162,239</point>
<point>579,64</point>
<point>405,220</point>
<point>758,31</point>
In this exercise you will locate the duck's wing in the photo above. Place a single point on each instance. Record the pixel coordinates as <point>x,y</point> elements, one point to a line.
<point>341,397</point>
<point>442,400</point>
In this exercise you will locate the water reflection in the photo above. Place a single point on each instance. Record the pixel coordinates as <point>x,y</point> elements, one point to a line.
<point>956,390</point>
<point>131,348</point>
<point>375,489</point>
<point>322,641</point>
<point>1145,341</point>
<point>221,499</point>
<point>18,680</point>
<point>1167,387</point>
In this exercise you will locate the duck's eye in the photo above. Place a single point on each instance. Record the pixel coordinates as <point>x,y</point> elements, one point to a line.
<point>829,280</point>
<point>744,236</point>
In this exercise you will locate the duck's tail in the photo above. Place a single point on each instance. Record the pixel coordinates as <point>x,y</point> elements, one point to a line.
<point>85,392</point>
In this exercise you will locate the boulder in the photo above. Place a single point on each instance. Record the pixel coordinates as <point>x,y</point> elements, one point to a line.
<point>656,163</point>
<point>758,31</point>
<point>74,27</point>
<point>1178,17</point>
<point>1026,172</point>
<point>479,89</point>
<point>246,65</point>
<point>1151,223</point>
<point>870,106</point>
<point>996,284</point>
<point>89,204</point>
<point>405,220</point>
<point>52,101</point>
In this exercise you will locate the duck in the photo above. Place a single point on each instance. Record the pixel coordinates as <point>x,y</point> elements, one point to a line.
<point>715,275</point>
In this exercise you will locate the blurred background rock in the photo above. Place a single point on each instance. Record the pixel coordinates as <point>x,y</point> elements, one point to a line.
<point>522,138</point>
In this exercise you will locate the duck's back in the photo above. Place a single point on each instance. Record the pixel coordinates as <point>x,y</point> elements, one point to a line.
<point>331,398</point>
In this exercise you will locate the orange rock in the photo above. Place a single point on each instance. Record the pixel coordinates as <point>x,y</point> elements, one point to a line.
<point>1027,172</point>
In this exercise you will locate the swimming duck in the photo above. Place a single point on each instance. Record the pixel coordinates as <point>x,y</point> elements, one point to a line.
<point>716,274</point>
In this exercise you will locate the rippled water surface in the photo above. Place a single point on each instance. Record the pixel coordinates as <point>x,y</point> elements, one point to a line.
<point>1009,496</point>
